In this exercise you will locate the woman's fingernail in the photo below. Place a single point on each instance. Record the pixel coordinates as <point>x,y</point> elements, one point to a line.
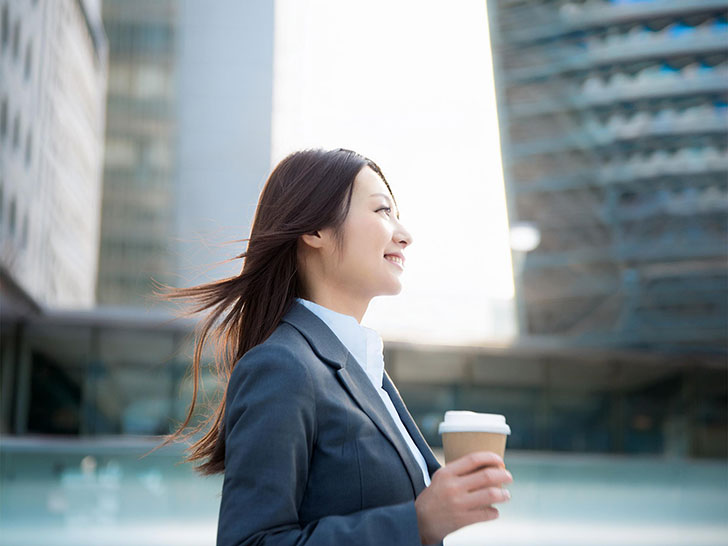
<point>507,493</point>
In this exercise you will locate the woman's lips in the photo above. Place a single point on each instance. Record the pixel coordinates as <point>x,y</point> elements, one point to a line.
<point>396,260</point>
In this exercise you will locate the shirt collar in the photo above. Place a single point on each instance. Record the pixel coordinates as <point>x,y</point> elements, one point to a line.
<point>363,343</point>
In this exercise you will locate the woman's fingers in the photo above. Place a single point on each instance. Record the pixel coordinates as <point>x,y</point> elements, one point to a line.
<point>462,492</point>
<point>482,513</point>
<point>485,497</point>
<point>486,477</point>
<point>490,513</point>
<point>469,463</point>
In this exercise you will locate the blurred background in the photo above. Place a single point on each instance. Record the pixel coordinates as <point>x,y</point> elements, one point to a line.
<point>561,164</point>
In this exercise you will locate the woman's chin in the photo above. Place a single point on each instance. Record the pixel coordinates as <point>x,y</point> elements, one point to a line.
<point>395,289</point>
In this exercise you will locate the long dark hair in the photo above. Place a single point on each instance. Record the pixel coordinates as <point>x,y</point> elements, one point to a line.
<point>307,191</point>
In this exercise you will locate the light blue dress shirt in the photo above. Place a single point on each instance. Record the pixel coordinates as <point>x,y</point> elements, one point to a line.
<point>367,348</point>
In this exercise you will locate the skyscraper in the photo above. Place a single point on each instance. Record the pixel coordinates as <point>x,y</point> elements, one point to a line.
<point>138,200</point>
<point>188,139</point>
<point>224,105</point>
<point>614,119</point>
<point>53,70</point>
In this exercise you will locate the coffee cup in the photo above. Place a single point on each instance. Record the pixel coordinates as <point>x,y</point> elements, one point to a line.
<point>465,432</point>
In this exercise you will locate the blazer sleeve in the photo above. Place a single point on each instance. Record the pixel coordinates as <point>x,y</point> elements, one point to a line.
<point>270,431</point>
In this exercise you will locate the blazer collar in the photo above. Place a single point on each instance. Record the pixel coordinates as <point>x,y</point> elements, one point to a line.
<point>322,340</point>
<point>329,349</point>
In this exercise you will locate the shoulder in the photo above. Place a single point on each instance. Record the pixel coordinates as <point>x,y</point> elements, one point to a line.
<point>285,344</point>
<point>282,359</point>
<point>270,388</point>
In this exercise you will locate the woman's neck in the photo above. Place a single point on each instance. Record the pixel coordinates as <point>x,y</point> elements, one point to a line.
<point>343,304</point>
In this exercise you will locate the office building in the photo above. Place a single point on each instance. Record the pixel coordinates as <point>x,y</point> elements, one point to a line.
<point>188,141</point>
<point>53,71</point>
<point>224,104</point>
<point>614,118</point>
<point>138,198</point>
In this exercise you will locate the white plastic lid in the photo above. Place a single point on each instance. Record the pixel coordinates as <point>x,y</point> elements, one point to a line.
<point>469,421</point>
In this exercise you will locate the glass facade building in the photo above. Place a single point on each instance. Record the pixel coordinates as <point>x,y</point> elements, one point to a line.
<point>187,143</point>
<point>114,372</point>
<point>137,215</point>
<point>614,127</point>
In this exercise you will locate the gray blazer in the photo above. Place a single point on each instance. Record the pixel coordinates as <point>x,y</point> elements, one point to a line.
<point>312,456</point>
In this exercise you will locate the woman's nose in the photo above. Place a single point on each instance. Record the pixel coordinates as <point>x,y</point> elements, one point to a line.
<point>402,236</point>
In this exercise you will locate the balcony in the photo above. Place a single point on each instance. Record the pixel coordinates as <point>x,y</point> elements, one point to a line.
<point>618,129</point>
<point>573,17</point>
<point>621,49</point>
<point>655,82</point>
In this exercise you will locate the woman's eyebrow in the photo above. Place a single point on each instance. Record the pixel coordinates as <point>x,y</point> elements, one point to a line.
<point>383,195</point>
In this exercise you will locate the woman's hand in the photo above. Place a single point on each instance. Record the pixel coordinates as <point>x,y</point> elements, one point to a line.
<point>461,493</point>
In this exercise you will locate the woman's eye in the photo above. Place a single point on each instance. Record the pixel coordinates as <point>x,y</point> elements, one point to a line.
<point>388,209</point>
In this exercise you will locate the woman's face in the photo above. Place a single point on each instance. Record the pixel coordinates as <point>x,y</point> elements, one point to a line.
<point>372,258</point>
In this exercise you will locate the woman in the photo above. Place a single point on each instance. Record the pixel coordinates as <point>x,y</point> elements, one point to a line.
<point>316,445</point>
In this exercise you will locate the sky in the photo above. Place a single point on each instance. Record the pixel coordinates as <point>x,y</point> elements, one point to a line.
<point>409,84</point>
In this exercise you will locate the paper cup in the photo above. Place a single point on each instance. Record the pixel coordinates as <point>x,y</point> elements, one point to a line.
<point>464,432</point>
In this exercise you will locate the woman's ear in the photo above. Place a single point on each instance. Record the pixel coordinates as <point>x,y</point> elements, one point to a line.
<point>313,239</point>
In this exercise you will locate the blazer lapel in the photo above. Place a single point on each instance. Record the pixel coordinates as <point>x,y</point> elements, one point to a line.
<point>328,347</point>
<point>432,464</point>
<point>362,390</point>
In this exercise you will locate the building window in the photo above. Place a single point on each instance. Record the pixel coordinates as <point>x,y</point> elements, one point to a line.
<point>16,131</point>
<point>3,119</point>
<point>4,28</point>
<point>16,40</point>
<point>11,215</point>
<point>24,234</point>
<point>28,60</point>
<point>28,148</point>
